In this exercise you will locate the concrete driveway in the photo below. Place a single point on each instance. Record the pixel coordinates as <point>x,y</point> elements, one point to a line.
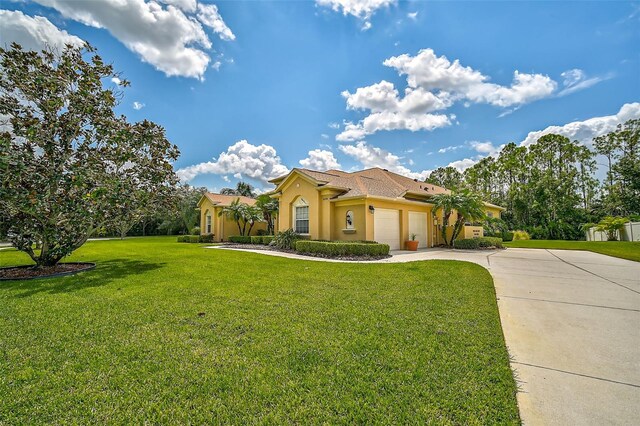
<point>571,321</point>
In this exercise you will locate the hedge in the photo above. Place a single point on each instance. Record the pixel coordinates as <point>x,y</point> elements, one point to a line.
<point>507,236</point>
<point>476,243</point>
<point>334,249</point>
<point>208,238</point>
<point>240,239</point>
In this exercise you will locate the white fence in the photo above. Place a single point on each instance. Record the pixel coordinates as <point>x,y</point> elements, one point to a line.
<point>631,232</point>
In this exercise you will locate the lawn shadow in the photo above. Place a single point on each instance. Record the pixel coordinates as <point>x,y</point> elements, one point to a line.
<point>104,273</point>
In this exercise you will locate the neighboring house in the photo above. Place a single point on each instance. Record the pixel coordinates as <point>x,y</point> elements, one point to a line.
<point>372,204</point>
<point>222,227</point>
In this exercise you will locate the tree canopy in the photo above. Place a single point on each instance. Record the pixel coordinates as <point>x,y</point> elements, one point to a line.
<point>68,164</point>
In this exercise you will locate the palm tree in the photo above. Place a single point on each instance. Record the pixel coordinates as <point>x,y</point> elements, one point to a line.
<point>233,211</point>
<point>242,188</point>
<point>612,226</point>
<point>467,205</point>
<point>242,214</point>
<point>269,208</point>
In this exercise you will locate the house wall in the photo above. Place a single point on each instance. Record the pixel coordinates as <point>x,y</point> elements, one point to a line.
<point>222,227</point>
<point>403,216</point>
<point>291,192</point>
<point>495,211</point>
<point>340,221</point>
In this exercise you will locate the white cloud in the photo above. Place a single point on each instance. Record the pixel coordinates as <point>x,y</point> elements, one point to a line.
<point>371,156</point>
<point>430,72</point>
<point>138,105</point>
<point>185,5</point>
<point>116,81</point>
<point>412,15</point>
<point>449,149</point>
<point>208,14</point>
<point>462,165</point>
<point>485,148</point>
<point>257,162</point>
<point>324,136</point>
<point>334,125</point>
<point>361,9</point>
<point>33,33</point>
<point>320,159</point>
<point>163,36</point>
<point>585,131</point>
<point>576,79</point>
<point>433,84</point>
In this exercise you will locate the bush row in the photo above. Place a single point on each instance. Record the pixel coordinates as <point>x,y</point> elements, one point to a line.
<point>208,238</point>
<point>262,239</point>
<point>476,243</point>
<point>342,248</point>
<point>254,239</point>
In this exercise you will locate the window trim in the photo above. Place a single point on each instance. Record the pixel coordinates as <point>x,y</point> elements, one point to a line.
<point>301,202</point>
<point>208,222</point>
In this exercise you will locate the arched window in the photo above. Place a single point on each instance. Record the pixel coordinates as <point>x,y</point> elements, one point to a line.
<point>301,216</point>
<point>207,226</point>
<point>349,220</point>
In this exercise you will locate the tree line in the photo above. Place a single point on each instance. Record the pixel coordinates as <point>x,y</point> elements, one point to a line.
<point>550,188</point>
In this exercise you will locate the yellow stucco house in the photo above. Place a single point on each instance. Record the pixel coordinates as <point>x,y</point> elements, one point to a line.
<point>222,227</point>
<point>373,204</point>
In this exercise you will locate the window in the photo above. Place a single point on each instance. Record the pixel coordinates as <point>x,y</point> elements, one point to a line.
<point>208,223</point>
<point>350,220</point>
<point>489,214</point>
<point>302,219</point>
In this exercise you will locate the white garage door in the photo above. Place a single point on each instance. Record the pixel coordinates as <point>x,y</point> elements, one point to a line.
<point>418,226</point>
<point>386,227</point>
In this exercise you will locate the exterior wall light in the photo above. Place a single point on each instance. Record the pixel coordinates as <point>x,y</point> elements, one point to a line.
<point>372,209</point>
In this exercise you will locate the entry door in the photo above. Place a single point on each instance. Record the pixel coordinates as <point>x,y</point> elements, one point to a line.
<point>418,226</point>
<point>386,227</point>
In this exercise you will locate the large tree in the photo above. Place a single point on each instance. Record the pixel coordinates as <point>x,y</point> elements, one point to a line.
<point>447,177</point>
<point>68,164</point>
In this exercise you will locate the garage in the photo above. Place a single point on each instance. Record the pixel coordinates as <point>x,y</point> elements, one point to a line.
<point>386,227</point>
<point>418,226</point>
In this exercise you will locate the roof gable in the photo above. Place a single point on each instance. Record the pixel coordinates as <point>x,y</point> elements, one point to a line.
<point>374,182</point>
<point>221,200</point>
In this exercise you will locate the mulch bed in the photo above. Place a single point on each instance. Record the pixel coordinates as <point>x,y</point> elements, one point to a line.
<point>30,272</point>
<point>271,248</point>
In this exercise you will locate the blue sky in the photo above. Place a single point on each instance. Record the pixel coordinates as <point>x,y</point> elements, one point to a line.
<point>258,85</point>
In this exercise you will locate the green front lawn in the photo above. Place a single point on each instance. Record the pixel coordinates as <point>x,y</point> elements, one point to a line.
<point>622,249</point>
<point>162,332</point>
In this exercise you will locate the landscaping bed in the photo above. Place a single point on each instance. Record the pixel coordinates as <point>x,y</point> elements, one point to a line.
<point>30,272</point>
<point>340,250</point>
<point>342,256</point>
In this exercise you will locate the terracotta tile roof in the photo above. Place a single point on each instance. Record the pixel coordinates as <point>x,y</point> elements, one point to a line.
<point>373,182</point>
<point>226,200</point>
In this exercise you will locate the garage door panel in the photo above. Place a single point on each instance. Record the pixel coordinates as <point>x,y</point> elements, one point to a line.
<point>386,228</point>
<point>418,226</point>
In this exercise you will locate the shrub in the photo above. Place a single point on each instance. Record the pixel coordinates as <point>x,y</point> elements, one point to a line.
<point>521,235</point>
<point>267,239</point>
<point>195,230</point>
<point>261,232</point>
<point>240,239</point>
<point>341,248</point>
<point>192,238</point>
<point>286,240</point>
<point>507,236</point>
<point>476,243</point>
<point>182,239</point>
<point>206,238</point>
<point>256,239</point>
